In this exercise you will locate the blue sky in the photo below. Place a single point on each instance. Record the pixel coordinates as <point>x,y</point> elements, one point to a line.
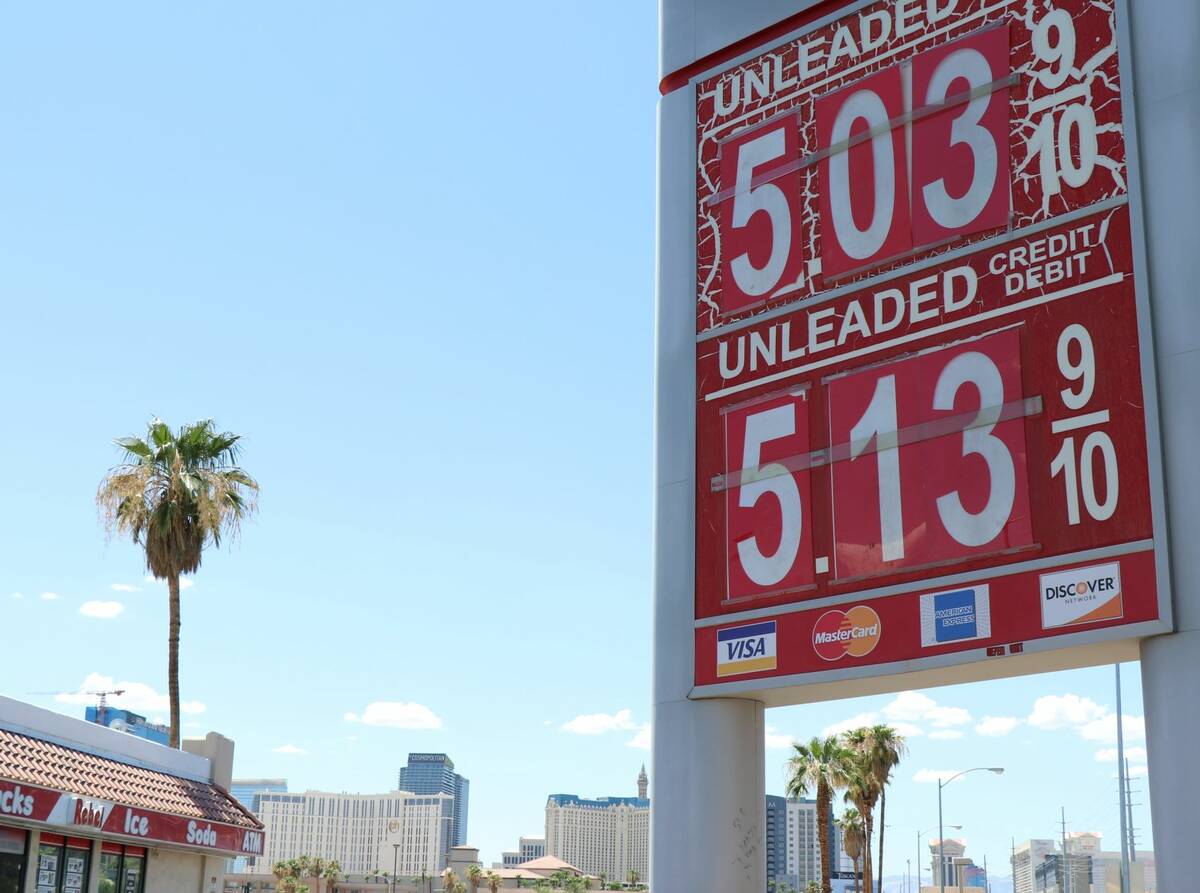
<point>408,252</point>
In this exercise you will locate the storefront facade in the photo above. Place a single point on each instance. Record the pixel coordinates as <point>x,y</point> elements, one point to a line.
<point>85,809</point>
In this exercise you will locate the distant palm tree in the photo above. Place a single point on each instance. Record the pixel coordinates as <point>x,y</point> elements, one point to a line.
<point>634,877</point>
<point>474,877</point>
<point>821,765</point>
<point>493,881</point>
<point>887,749</point>
<point>449,880</point>
<point>853,840</point>
<point>331,874</point>
<point>175,493</point>
<point>862,791</point>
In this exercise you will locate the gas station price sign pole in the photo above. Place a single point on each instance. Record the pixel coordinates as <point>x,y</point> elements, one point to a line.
<point>908,392</point>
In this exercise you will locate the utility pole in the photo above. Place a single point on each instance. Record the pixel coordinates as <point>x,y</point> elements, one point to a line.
<point>1122,775</point>
<point>1129,806</point>
<point>1065,861</point>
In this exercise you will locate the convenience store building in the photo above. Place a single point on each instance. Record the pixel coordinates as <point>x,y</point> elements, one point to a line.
<point>86,809</point>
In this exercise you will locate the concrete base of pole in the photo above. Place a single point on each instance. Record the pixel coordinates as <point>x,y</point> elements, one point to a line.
<point>708,824</point>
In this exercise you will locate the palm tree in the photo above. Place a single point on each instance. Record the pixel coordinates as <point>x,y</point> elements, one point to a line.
<point>493,881</point>
<point>861,790</point>
<point>853,840</point>
<point>474,877</point>
<point>886,749</point>
<point>819,765</point>
<point>174,494</point>
<point>634,877</point>
<point>331,874</point>
<point>449,880</point>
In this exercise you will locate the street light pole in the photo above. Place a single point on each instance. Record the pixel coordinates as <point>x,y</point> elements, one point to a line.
<point>998,770</point>
<point>921,834</point>
<point>395,853</point>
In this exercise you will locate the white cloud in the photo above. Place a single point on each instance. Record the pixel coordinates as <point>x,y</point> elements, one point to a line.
<point>642,739</point>
<point>1138,771</point>
<point>997,726</point>
<point>854,722</point>
<point>122,587</point>
<point>1092,721</point>
<point>777,740</point>
<point>912,706</point>
<point>908,729</point>
<point>1105,728</point>
<point>18,595</point>
<point>599,723</point>
<point>101,610</point>
<point>929,776</point>
<point>1054,712</point>
<point>291,749</point>
<point>946,735</point>
<point>396,715</point>
<point>1133,754</point>
<point>138,696</point>
<point>49,596</point>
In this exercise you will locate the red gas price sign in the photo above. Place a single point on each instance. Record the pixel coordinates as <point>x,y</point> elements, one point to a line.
<point>922,391</point>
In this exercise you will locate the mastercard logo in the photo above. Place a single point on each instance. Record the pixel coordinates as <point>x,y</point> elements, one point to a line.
<point>854,632</point>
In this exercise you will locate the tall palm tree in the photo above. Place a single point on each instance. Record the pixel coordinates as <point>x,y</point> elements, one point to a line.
<point>332,874</point>
<point>821,765</point>
<point>449,880</point>
<point>474,877</point>
<point>862,792</point>
<point>886,747</point>
<point>493,881</point>
<point>175,493</point>
<point>854,839</point>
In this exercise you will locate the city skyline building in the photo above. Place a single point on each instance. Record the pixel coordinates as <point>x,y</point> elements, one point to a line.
<point>433,773</point>
<point>803,849</point>
<point>607,836</point>
<point>244,791</point>
<point>776,839</point>
<point>397,830</point>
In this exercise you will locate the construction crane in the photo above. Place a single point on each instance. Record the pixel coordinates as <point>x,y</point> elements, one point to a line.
<point>102,707</point>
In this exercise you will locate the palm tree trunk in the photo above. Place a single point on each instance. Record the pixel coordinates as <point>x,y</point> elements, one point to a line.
<point>882,825</point>
<point>868,880</point>
<point>173,658</point>
<point>823,798</point>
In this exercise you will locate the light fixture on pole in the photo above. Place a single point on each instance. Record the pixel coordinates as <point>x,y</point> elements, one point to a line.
<point>921,834</point>
<point>998,770</point>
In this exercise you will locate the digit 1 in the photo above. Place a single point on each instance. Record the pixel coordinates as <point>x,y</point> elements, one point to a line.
<point>877,422</point>
<point>1065,462</point>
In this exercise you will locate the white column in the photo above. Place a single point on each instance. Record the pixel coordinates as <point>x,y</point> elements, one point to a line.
<point>707,780</point>
<point>1167,73</point>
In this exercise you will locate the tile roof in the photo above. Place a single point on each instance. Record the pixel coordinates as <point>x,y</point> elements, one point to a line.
<point>37,762</point>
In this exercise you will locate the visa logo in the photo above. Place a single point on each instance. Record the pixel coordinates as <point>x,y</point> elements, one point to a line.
<point>746,649</point>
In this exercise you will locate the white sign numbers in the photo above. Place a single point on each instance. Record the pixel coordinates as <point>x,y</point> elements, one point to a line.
<point>1077,465</point>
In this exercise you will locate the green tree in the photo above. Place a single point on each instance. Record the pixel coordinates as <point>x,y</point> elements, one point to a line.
<point>821,765</point>
<point>493,881</point>
<point>474,877</point>
<point>861,790</point>
<point>175,493</point>
<point>854,839</point>
<point>886,749</point>
<point>331,874</point>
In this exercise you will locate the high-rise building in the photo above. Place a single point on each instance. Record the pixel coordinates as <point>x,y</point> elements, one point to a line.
<point>531,848</point>
<point>609,835</point>
<point>363,832</point>
<point>804,845</point>
<point>433,773</point>
<point>1026,858</point>
<point>244,791</point>
<point>942,856</point>
<point>643,783</point>
<point>776,840</point>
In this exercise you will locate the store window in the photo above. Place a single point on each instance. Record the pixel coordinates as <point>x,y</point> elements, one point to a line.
<point>63,864</point>
<point>12,859</point>
<point>122,869</point>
